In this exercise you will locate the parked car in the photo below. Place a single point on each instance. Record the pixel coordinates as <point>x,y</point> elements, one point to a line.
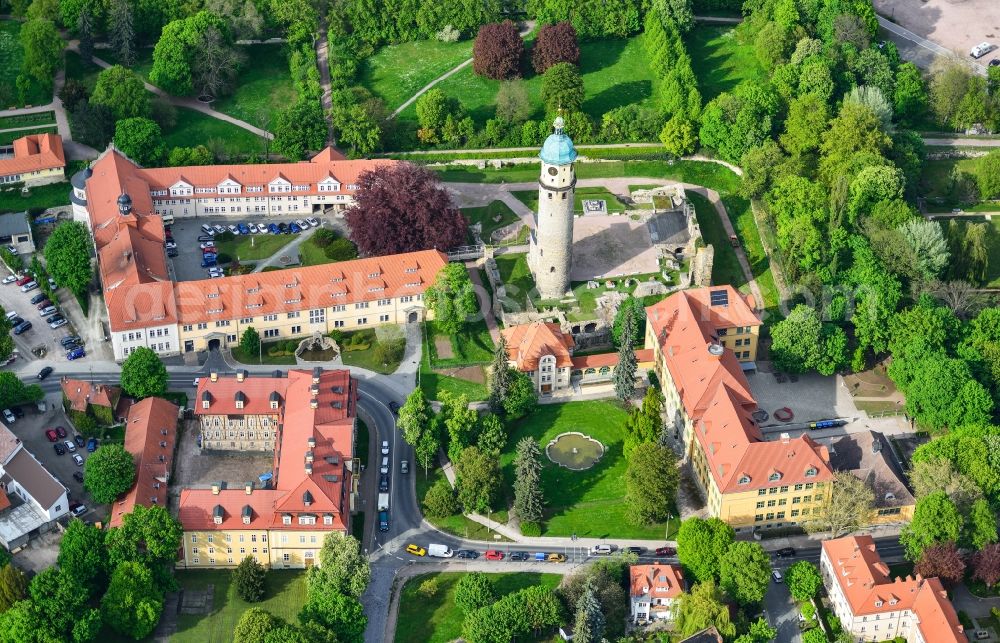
<point>69,444</point>
<point>42,305</point>
<point>776,575</point>
<point>383,483</point>
<point>207,244</point>
<point>28,287</point>
<point>785,552</point>
<point>394,407</point>
<point>981,50</point>
<point>208,263</point>
<point>302,224</point>
<point>78,476</point>
<point>385,447</point>
<point>283,227</point>
<point>70,339</point>
<point>218,229</point>
<point>243,228</point>
<point>45,372</point>
<point>294,228</point>
<point>494,554</point>
<point>215,272</point>
<point>77,508</point>
<point>52,317</point>
<point>205,237</point>
<point>48,310</point>
<point>91,445</point>
<point>172,253</point>
<point>80,442</point>
<point>170,245</point>
<point>518,555</point>
<point>61,431</point>
<point>665,551</point>
<point>995,62</point>
<point>59,323</point>
<point>22,327</point>
<point>8,416</point>
<point>638,551</point>
<point>15,320</point>
<point>384,468</point>
<point>23,280</point>
<point>207,229</point>
<point>313,221</point>
<point>59,449</point>
<point>77,459</point>
<point>52,284</point>
<point>9,279</point>
<point>602,549</point>
<point>51,435</point>
<point>556,558</point>
<point>467,554</point>
<point>383,521</point>
<point>416,550</point>
<point>209,251</point>
<point>273,228</point>
<point>39,297</point>
<point>76,353</point>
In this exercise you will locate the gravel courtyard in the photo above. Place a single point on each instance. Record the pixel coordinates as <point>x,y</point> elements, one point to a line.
<point>958,25</point>
<point>611,246</point>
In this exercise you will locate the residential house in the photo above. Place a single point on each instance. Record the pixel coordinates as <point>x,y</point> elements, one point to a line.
<point>15,233</point>
<point>654,591</point>
<point>868,455</point>
<point>703,340</point>
<point>873,607</point>
<point>150,436</point>
<point>312,491</point>
<point>31,499</point>
<point>38,159</point>
<point>103,401</point>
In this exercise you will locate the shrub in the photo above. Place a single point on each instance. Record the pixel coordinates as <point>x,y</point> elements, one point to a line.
<point>556,43</point>
<point>341,250</point>
<point>808,610</point>
<point>324,237</point>
<point>440,500</point>
<point>249,579</point>
<point>336,335</point>
<point>497,51</point>
<point>390,352</point>
<point>448,34</point>
<point>531,529</point>
<point>428,588</point>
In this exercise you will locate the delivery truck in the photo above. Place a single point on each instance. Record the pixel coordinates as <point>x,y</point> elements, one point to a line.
<point>441,551</point>
<point>383,502</point>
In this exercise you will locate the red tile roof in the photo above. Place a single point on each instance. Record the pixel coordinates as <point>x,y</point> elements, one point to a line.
<point>33,153</point>
<point>656,581</point>
<point>150,435</point>
<point>80,393</point>
<point>865,584</point>
<point>528,343</point>
<point>642,356</point>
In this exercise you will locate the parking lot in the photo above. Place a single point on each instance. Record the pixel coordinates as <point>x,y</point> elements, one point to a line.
<point>187,263</point>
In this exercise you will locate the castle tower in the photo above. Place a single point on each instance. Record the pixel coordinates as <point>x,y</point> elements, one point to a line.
<point>550,254</point>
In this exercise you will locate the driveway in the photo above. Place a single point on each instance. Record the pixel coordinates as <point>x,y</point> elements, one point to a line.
<point>40,335</point>
<point>782,612</point>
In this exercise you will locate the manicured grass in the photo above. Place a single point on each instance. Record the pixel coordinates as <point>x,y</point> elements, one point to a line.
<point>6,138</point>
<point>193,128</point>
<point>588,503</point>
<point>457,524</point>
<point>741,216</point>
<point>143,60</point>
<point>517,281</point>
<point>615,73</point>
<point>397,72</point>
<point>284,596</point>
<point>86,73</point>
<point>44,196</point>
<point>725,266</point>
<point>436,619</point>
<point>365,357</point>
<point>611,202</point>
<point>263,358</point>
<point>486,216</point>
<point>471,345</point>
<point>264,85</point>
<point>720,61</point>
<point>435,383</point>
<point>10,66</point>
<point>311,254</point>
<point>26,120</point>
<point>253,247</point>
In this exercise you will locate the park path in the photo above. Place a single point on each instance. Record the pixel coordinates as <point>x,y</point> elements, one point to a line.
<point>323,62</point>
<point>486,307</point>
<point>189,103</point>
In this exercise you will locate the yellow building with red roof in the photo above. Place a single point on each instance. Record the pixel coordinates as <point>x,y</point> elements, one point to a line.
<point>38,159</point>
<point>702,340</point>
<point>311,492</point>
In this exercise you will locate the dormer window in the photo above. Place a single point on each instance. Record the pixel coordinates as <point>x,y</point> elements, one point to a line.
<point>878,603</point>
<point>744,479</point>
<point>893,601</point>
<point>206,399</point>
<point>286,519</point>
<point>327,519</point>
<point>811,472</point>
<point>774,477</point>
<point>307,519</point>
<point>217,514</point>
<point>240,399</point>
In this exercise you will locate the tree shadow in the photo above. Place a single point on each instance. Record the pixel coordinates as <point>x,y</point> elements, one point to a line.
<point>626,93</point>
<point>600,54</point>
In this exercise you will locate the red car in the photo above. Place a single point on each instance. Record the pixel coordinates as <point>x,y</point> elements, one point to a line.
<point>209,251</point>
<point>43,304</point>
<point>61,432</point>
<point>493,554</point>
<point>51,435</point>
<point>23,280</point>
<point>666,551</point>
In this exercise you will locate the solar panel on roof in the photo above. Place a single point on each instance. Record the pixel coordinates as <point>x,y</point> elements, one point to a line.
<point>719,298</point>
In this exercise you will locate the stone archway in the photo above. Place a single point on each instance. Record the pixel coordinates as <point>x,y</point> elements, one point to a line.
<point>413,317</point>
<point>214,344</point>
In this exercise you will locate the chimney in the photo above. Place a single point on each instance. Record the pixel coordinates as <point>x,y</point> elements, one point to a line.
<point>241,375</point>
<point>785,437</point>
<point>716,350</point>
<point>316,373</point>
<point>214,376</point>
<point>248,488</point>
<point>215,488</point>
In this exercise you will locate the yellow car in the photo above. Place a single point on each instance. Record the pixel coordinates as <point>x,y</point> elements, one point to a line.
<point>416,550</point>
<point>556,558</point>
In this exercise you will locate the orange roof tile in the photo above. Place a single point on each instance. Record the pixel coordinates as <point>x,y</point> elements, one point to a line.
<point>256,393</point>
<point>642,355</point>
<point>528,343</point>
<point>150,434</point>
<point>4,500</point>
<point>80,393</point>
<point>656,581</point>
<point>34,152</point>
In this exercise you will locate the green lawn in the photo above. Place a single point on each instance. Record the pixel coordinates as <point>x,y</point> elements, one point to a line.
<point>193,128</point>
<point>86,73</point>
<point>741,216</point>
<point>254,247</point>
<point>263,86</point>
<point>397,72</point>
<point>263,357</point>
<point>615,73</point>
<point>284,596</point>
<point>725,266</point>
<point>588,503</point>
<point>143,60</point>
<point>11,54</point>
<point>310,254</point>
<point>471,345</point>
<point>44,196</point>
<point>6,138</point>
<point>26,120</point>
<point>364,357</point>
<point>935,177</point>
<point>487,215</point>
<point>719,61</point>
<point>517,281</point>
<point>456,524</point>
<point>436,619</point>
<point>530,199</point>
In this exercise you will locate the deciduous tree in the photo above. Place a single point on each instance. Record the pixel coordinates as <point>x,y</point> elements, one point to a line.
<point>143,374</point>
<point>562,88</point>
<point>67,256</point>
<point>178,51</point>
<point>745,572</point>
<point>343,566</point>
<point>403,208</point>
<point>936,520</point>
<point>474,591</point>
<point>701,544</point>
<point>644,424</point>
<point>216,62</point>
<point>141,140</point>
<point>847,507</point>
<point>123,92</point>
<point>986,565</point>
<point>133,602</point>
<point>651,481</point>
<point>556,43</point>
<point>513,103</point>
<point>42,50</point>
<point>988,175</point>
<point>254,626</point>
<point>703,607</point>
<point>250,342</point>
<point>440,501</point>
<point>13,586</point>
<point>981,525</point>
<point>492,436</point>
<point>58,602</point>
<point>300,128</point>
<point>459,422</point>
<point>679,135</point>
<point>943,561</point>
<point>802,342</point>
<point>81,553</point>
<point>147,535</point>
<point>338,614</point>
<point>248,577</point>
<point>478,480</point>
<point>522,397</point>
<point>13,391</point>
<point>497,51</point>
<point>452,297</point>
<point>804,580</point>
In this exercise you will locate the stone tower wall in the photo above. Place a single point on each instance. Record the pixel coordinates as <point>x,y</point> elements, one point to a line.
<point>551,254</point>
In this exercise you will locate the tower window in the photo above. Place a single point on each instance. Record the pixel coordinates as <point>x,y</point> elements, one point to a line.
<point>552,269</point>
<point>563,196</point>
<point>550,196</point>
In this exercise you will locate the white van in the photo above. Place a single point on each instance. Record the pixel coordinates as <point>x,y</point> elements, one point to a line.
<point>981,50</point>
<point>168,219</point>
<point>440,551</point>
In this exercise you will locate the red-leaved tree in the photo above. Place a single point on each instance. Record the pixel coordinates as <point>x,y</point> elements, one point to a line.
<point>986,565</point>
<point>403,208</point>
<point>556,43</point>
<point>943,561</point>
<point>497,51</point>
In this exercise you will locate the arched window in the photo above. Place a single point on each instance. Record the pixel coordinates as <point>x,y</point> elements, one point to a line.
<point>605,370</point>
<point>744,479</point>
<point>774,476</point>
<point>811,471</point>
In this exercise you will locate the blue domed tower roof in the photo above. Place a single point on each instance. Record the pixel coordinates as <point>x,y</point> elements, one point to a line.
<point>558,148</point>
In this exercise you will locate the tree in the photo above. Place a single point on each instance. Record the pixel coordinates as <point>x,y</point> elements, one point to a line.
<point>179,51</point>
<point>343,566</point>
<point>403,208</point>
<point>133,603</point>
<point>745,572</point>
<point>440,501</point>
<point>242,16</point>
<point>215,64</point>
<point>82,555</point>
<point>452,298</point>
<point>928,244</point>
<point>759,632</point>
<point>121,31</point>
<point>556,43</point>
<point>67,256</point>
<point>501,376</point>
<point>58,602</point>
<point>630,313</point>
<point>804,580</point>
<point>935,520</point>
<point>679,136</point>
<point>459,421</point>
<point>589,624</point>
<point>981,527</point>
<point>13,391</point>
<point>513,103</point>
<point>847,508</point>
<point>802,342</point>
<point>147,535</point>
<point>92,125</point>
<point>300,128</point>
<point>250,342</point>
<point>141,140</point>
<point>701,544</point>
<point>910,96</point>
<point>988,175</point>
<point>143,374</point>
<point>950,82</point>
<point>414,416</point>
<point>942,561</point>
<point>627,366</point>
<point>73,93</point>
<point>478,479</point>
<point>339,616</point>
<point>359,128</point>
<point>254,626</point>
<point>703,607</point>
<point>522,397</point>
<point>123,92</point>
<point>650,483</point>
<point>644,424</point>
<point>437,116</point>
<point>428,446</point>
<point>41,50</point>
<point>474,591</point>
<point>733,123</point>
<point>562,88</point>
<point>496,53</point>
<point>986,565</point>
<point>13,586</point>
<point>492,437</point>
<point>528,496</point>
<point>248,577</point>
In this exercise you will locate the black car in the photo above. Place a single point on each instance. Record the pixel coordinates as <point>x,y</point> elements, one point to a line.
<point>785,552</point>
<point>468,554</point>
<point>995,62</point>
<point>15,321</point>
<point>283,228</point>
<point>638,551</point>
<point>38,298</point>
<point>80,442</point>
<point>518,555</point>
<point>60,449</point>
<point>53,318</point>
<point>205,237</point>
<point>383,521</point>
<point>45,372</point>
<point>394,408</point>
<point>71,339</point>
<point>78,476</point>
<point>172,253</point>
<point>383,483</point>
<point>18,412</point>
